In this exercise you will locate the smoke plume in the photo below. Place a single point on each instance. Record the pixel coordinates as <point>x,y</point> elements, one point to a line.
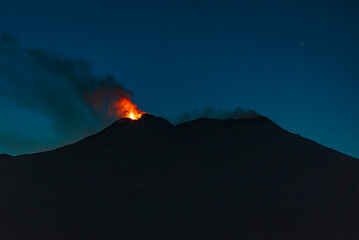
<point>64,89</point>
<point>218,114</point>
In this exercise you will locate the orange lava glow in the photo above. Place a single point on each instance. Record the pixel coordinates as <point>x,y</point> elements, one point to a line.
<point>126,109</point>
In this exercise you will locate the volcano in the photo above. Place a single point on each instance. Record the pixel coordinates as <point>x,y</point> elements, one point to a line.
<point>203,179</point>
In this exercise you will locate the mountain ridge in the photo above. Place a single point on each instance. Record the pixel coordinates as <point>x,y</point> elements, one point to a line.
<point>207,179</point>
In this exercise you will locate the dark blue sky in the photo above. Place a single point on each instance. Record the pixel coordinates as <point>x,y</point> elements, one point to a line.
<point>296,62</point>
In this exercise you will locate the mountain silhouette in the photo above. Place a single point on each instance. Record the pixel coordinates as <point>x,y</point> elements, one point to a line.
<point>203,179</point>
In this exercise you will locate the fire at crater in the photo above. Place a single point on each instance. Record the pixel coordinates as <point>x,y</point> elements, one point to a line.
<point>113,100</point>
<point>125,108</point>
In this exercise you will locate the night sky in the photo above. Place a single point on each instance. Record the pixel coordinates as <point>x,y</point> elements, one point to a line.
<point>296,62</point>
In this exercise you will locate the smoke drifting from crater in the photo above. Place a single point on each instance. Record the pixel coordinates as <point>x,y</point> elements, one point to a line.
<point>64,89</point>
<point>218,114</point>
<point>61,89</point>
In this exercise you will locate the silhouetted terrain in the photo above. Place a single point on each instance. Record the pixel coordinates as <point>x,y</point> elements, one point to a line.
<point>204,179</point>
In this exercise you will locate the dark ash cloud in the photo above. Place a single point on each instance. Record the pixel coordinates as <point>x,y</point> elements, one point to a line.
<point>66,90</point>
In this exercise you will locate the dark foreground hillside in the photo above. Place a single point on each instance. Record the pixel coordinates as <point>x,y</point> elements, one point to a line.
<point>204,179</point>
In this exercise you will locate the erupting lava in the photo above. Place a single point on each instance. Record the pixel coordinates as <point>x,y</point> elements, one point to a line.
<point>126,109</point>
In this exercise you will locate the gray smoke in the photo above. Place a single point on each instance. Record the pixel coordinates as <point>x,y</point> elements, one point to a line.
<point>238,113</point>
<point>64,89</point>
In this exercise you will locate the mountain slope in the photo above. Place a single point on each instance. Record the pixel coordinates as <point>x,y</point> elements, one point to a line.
<point>204,179</point>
